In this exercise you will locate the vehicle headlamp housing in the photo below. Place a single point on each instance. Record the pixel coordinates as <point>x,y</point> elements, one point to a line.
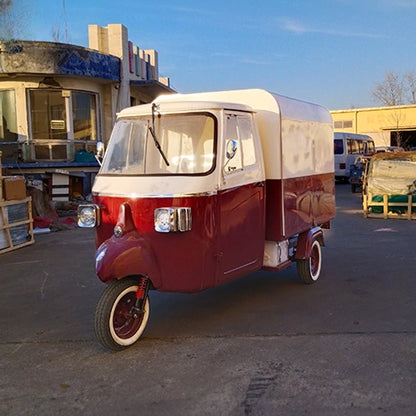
<point>88,215</point>
<point>173,219</point>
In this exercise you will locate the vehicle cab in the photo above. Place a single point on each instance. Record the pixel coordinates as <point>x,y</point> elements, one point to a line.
<point>193,176</point>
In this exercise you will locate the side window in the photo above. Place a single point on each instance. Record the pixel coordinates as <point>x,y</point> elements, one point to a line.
<point>247,141</point>
<point>235,163</point>
<point>349,146</point>
<point>353,146</point>
<point>338,147</point>
<point>356,147</point>
<point>240,133</point>
<point>370,147</point>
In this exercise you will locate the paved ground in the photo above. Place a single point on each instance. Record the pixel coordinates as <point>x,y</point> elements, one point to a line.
<point>262,345</point>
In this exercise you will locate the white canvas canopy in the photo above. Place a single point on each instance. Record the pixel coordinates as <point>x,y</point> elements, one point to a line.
<point>393,175</point>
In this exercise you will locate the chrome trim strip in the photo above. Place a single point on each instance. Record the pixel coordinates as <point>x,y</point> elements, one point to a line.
<point>240,267</point>
<point>137,196</point>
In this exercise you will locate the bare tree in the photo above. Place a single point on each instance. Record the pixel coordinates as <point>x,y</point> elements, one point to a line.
<point>6,27</point>
<point>56,29</point>
<point>410,79</point>
<point>5,5</point>
<point>15,19</point>
<point>389,92</point>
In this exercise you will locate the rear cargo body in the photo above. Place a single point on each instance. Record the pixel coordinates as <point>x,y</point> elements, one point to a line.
<point>298,152</point>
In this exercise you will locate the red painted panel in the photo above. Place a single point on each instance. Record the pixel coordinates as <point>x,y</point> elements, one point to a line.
<point>187,261</point>
<point>274,208</point>
<point>242,224</point>
<point>307,201</point>
<point>228,229</point>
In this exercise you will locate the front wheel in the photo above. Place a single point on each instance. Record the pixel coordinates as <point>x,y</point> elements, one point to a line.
<point>116,327</point>
<point>310,269</point>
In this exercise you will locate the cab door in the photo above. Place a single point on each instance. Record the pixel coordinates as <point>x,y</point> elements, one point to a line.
<point>241,198</point>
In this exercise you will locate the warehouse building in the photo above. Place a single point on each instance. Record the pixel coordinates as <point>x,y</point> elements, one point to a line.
<point>388,126</point>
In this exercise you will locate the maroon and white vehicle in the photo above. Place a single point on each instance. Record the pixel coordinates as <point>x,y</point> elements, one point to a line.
<point>196,190</point>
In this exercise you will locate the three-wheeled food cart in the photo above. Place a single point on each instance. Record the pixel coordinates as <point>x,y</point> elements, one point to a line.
<point>196,190</point>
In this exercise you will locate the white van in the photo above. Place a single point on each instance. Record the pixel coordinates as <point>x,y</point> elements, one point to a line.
<point>347,147</point>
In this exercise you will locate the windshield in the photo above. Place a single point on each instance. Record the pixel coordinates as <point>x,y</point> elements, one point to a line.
<point>187,141</point>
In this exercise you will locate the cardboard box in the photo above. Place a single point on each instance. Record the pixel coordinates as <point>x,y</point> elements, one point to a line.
<point>14,188</point>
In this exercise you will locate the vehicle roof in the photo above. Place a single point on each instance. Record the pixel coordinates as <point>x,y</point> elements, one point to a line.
<point>343,134</point>
<point>257,100</point>
<point>181,106</point>
<point>249,100</point>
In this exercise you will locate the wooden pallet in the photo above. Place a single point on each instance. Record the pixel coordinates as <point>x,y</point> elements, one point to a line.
<point>6,227</point>
<point>388,208</point>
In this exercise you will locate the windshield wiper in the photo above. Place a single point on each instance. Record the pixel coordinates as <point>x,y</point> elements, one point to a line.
<point>155,140</point>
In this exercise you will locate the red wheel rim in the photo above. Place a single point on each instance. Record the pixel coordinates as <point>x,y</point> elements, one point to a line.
<point>315,260</point>
<point>125,325</point>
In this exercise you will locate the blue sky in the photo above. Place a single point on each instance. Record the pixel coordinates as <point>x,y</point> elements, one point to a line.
<point>330,52</point>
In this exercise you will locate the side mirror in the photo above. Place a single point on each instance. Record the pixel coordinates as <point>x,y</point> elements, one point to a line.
<point>100,152</point>
<point>231,148</point>
<point>100,149</point>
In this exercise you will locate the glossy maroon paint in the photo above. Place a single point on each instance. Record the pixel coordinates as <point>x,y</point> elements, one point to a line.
<point>242,230</point>
<point>297,204</point>
<point>129,255</point>
<point>182,262</point>
<point>226,240</point>
<point>305,241</point>
<point>227,237</point>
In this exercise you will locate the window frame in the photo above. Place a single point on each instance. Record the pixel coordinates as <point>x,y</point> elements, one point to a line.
<point>72,144</point>
<point>169,174</point>
<point>244,168</point>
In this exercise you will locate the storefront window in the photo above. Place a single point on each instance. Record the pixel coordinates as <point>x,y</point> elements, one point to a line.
<point>84,116</point>
<point>63,123</point>
<point>48,115</point>
<point>8,125</point>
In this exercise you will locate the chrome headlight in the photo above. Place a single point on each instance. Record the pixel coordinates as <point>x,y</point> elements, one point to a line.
<point>164,220</point>
<point>173,219</point>
<point>88,216</point>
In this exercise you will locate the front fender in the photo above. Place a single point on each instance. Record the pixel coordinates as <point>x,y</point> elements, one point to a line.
<point>128,255</point>
<point>305,240</point>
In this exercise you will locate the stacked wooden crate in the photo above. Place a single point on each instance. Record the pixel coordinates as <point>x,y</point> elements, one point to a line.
<point>16,223</point>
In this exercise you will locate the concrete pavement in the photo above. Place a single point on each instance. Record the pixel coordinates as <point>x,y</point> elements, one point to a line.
<point>264,344</point>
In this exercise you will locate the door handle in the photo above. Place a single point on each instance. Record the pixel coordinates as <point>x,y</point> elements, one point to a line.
<point>258,185</point>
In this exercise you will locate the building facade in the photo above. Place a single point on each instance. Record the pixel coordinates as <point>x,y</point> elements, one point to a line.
<point>388,126</point>
<point>57,100</point>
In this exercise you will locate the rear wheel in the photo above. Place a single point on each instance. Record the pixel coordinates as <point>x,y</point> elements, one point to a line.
<point>310,269</point>
<point>116,327</point>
